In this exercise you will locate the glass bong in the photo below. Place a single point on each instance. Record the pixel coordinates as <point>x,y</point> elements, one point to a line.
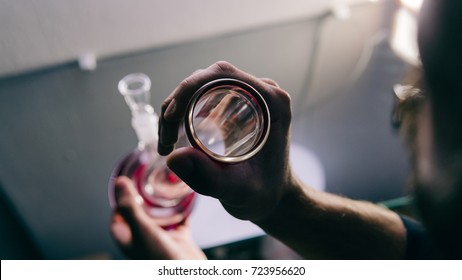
<point>165,197</point>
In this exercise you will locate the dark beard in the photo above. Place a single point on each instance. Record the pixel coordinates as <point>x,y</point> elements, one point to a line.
<point>441,212</point>
<point>438,196</point>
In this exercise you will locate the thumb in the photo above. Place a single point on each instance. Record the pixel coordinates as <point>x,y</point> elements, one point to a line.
<point>197,170</point>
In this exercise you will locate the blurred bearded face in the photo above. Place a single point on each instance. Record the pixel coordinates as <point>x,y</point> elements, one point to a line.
<point>437,143</point>
<point>436,170</point>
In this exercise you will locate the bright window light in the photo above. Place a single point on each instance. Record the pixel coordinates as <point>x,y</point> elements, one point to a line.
<point>403,38</point>
<point>413,5</point>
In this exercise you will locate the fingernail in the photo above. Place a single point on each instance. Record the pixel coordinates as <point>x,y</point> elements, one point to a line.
<point>121,233</point>
<point>170,109</point>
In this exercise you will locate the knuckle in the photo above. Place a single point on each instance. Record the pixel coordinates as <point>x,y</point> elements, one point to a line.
<point>165,104</point>
<point>197,71</point>
<point>284,104</point>
<point>270,82</point>
<point>285,97</point>
<point>224,67</point>
<point>185,83</point>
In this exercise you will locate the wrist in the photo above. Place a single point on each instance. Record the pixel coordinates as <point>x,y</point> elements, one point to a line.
<point>294,200</point>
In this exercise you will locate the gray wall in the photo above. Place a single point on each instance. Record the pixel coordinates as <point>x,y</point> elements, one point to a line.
<point>62,131</point>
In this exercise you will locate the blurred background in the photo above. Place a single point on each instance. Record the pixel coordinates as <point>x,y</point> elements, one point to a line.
<point>64,126</point>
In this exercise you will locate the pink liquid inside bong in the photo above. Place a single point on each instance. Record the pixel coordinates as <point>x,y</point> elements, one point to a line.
<point>166,198</point>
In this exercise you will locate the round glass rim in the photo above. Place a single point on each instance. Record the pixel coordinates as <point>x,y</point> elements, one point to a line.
<point>124,84</point>
<point>191,133</point>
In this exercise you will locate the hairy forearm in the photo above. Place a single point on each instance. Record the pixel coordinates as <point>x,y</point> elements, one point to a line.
<point>324,226</point>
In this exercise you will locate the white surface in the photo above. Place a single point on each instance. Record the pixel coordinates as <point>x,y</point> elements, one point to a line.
<point>403,39</point>
<point>212,225</point>
<point>307,167</point>
<point>37,34</point>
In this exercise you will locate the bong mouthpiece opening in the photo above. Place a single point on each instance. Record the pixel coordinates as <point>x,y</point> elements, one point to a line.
<point>227,119</point>
<point>135,89</point>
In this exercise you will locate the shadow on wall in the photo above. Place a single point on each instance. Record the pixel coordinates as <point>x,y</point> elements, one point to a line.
<point>15,242</point>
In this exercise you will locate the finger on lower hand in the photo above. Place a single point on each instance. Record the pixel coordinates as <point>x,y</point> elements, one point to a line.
<point>120,231</point>
<point>130,207</point>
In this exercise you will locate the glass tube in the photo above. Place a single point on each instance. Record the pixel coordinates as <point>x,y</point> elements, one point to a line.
<point>227,119</point>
